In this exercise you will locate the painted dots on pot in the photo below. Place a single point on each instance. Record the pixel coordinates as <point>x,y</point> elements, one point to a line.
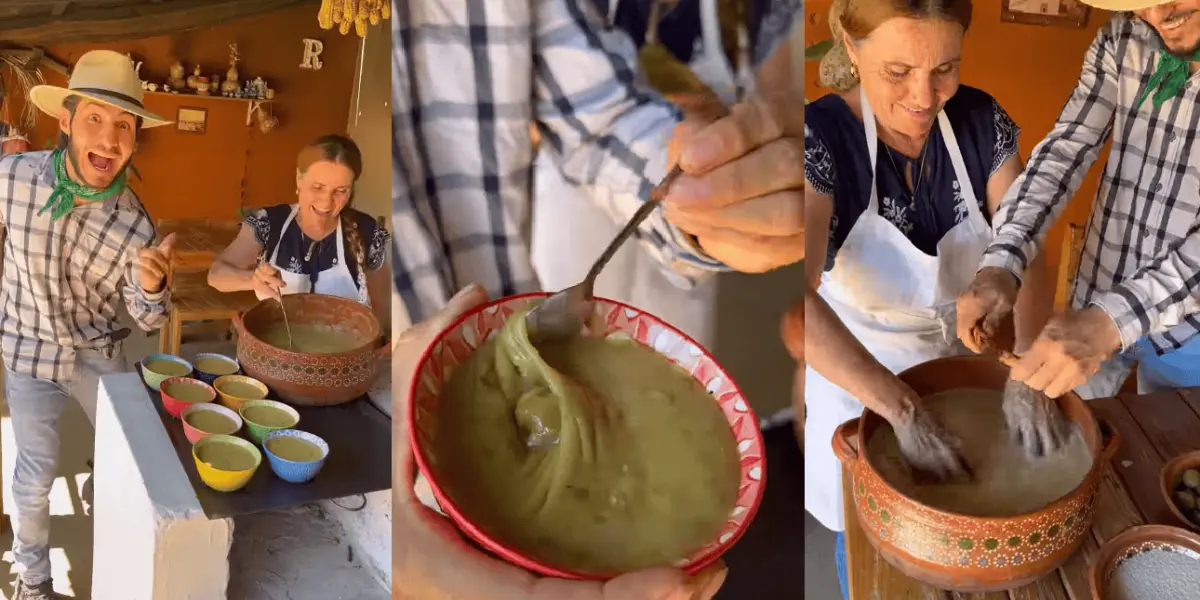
<point>885,515</point>
<point>965,543</point>
<point>1014,541</point>
<point>991,544</point>
<point>1034,538</point>
<point>1053,532</point>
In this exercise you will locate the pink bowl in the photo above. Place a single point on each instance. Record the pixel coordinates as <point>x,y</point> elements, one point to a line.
<point>452,347</point>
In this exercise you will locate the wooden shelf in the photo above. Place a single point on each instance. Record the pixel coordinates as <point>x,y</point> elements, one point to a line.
<point>254,103</point>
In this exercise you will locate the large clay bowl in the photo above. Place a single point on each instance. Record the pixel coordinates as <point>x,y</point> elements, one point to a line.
<point>452,347</point>
<point>311,379</point>
<point>1133,541</point>
<point>960,552</point>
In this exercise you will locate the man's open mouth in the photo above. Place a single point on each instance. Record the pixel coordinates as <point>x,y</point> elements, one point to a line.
<point>99,162</point>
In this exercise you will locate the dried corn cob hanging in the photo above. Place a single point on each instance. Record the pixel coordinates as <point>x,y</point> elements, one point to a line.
<point>353,14</point>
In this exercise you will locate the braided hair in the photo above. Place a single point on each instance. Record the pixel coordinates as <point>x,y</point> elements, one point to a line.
<point>341,150</point>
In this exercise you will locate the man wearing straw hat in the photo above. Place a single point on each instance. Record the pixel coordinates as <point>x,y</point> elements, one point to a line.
<point>77,239</point>
<point>1135,294</point>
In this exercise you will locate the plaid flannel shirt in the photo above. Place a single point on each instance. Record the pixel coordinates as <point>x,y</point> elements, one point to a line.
<point>469,76</point>
<point>62,279</point>
<point>1141,257</point>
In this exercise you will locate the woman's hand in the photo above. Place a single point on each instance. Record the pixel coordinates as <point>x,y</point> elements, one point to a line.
<point>432,561</point>
<point>1034,420</point>
<point>266,280</point>
<point>740,194</point>
<point>925,444</point>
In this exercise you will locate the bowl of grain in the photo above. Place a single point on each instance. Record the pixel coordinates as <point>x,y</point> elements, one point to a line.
<point>1179,481</point>
<point>1015,521</point>
<point>624,448</point>
<point>1148,562</point>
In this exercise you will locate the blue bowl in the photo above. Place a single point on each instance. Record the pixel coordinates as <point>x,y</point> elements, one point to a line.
<point>208,377</point>
<point>293,471</point>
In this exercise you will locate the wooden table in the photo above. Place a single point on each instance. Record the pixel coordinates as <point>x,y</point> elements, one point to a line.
<point>1153,428</point>
<point>198,241</point>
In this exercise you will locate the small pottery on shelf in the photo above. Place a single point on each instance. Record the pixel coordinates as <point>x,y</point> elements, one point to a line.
<point>270,94</point>
<point>176,79</point>
<point>202,86</point>
<point>194,79</point>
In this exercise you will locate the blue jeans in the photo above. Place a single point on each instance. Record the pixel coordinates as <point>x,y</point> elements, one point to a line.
<point>1176,369</point>
<point>35,405</point>
<point>839,560</point>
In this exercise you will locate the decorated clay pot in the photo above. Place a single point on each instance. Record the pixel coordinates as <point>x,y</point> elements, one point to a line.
<point>960,552</point>
<point>312,379</point>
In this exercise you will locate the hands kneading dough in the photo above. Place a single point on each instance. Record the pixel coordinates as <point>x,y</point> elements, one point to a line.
<point>432,561</point>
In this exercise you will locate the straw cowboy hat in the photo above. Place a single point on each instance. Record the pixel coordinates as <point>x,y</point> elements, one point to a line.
<point>1122,5</point>
<point>101,76</point>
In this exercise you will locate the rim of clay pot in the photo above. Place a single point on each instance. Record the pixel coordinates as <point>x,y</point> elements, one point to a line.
<point>1165,484</point>
<point>372,346</point>
<point>1093,473</point>
<point>1100,571</point>
<point>507,551</point>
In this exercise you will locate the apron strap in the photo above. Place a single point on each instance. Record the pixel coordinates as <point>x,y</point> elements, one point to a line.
<point>868,118</point>
<point>960,168</point>
<point>283,229</point>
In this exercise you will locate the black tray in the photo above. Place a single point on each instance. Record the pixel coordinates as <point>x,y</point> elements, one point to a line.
<point>360,460</point>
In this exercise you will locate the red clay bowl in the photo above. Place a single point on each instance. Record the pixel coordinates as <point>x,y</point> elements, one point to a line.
<point>1169,477</point>
<point>452,347</point>
<point>175,405</point>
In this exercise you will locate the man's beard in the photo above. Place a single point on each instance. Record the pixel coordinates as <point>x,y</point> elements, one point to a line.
<point>73,155</point>
<point>1188,54</point>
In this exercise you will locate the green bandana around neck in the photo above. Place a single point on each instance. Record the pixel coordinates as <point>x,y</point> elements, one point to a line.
<point>1173,71</point>
<point>66,190</point>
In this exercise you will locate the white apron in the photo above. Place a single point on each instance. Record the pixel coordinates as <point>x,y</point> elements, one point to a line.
<point>334,281</point>
<point>899,303</point>
<point>570,229</point>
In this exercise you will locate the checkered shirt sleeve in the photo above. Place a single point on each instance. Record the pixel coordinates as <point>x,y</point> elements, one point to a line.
<point>469,76</point>
<point>1141,257</point>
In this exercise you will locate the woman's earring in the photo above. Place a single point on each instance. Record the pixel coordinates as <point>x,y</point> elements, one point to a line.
<point>853,70</point>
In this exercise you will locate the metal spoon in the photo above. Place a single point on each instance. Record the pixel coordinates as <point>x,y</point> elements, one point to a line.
<point>291,344</point>
<point>563,314</point>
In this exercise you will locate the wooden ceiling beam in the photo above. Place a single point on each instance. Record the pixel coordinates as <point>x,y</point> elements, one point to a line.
<point>146,19</point>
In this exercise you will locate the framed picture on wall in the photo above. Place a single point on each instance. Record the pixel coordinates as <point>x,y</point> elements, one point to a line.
<point>191,120</point>
<point>1056,13</point>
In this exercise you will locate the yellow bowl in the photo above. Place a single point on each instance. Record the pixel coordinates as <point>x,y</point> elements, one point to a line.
<point>224,480</point>
<point>231,401</point>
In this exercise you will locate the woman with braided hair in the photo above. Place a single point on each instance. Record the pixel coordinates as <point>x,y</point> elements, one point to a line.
<point>319,244</point>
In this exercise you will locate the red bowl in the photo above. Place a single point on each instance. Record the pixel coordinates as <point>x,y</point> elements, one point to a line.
<point>175,406</point>
<point>452,347</point>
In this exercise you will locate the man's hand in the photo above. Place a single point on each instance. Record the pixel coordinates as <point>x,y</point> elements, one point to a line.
<point>1034,420</point>
<point>432,561</point>
<point>740,194</point>
<point>154,262</point>
<point>985,311</point>
<point>267,281</point>
<point>1069,350</point>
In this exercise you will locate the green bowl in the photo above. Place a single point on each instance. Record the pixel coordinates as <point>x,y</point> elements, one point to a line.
<point>258,431</point>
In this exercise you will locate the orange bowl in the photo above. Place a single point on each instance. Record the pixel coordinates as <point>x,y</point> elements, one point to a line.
<point>1131,542</point>
<point>1169,477</point>
<point>453,346</point>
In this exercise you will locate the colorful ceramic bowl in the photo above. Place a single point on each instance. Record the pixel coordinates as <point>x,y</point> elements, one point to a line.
<point>172,391</point>
<point>1134,541</point>
<point>234,401</point>
<point>452,347</point>
<point>195,434</point>
<point>966,553</point>
<point>209,366</point>
<point>1170,477</point>
<point>258,431</point>
<point>294,471</point>
<point>225,479</point>
<point>153,378</point>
